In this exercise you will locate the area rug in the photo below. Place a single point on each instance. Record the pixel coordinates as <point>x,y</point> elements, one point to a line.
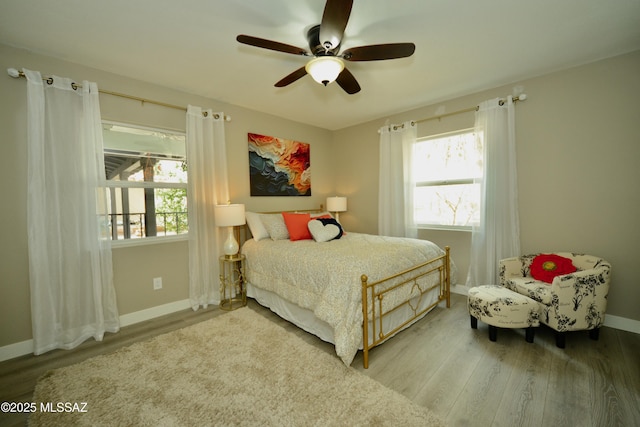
<point>237,369</point>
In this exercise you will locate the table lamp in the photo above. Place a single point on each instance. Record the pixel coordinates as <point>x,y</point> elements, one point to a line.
<point>336,205</point>
<point>229,216</point>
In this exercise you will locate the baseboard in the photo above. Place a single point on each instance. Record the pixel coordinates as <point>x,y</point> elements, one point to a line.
<point>16,350</point>
<point>622,323</point>
<point>460,289</point>
<point>26,347</point>
<point>611,321</point>
<point>153,312</point>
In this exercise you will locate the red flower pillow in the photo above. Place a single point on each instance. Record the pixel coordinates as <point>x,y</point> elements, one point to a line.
<point>545,267</point>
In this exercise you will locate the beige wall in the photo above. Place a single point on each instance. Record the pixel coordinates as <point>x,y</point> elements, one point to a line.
<point>134,267</point>
<point>578,149</point>
<point>578,154</point>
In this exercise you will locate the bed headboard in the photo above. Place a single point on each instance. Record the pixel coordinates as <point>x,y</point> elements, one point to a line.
<point>243,233</point>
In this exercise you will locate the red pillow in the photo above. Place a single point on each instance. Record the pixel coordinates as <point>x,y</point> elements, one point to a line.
<point>297,225</point>
<point>545,267</point>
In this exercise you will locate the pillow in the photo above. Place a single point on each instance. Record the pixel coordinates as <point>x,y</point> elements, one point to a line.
<point>255,225</point>
<point>545,267</point>
<point>325,229</point>
<point>274,223</point>
<point>297,225</point>
<point>327,215</point>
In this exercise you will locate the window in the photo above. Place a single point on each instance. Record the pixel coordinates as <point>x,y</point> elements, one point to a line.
<point>147,178</point>
<point>447,171</point>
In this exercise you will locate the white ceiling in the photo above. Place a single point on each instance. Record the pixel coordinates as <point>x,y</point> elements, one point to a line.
<point>462,46</point>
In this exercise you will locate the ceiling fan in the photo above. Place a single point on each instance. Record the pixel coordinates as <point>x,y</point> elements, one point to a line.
<point>324,43</point>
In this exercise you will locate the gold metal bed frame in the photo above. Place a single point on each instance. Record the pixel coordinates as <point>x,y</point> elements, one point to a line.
<point>373,293</point>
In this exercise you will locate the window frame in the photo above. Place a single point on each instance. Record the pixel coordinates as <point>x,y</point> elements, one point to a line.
<point>109,184</point>
<point>444,182</point>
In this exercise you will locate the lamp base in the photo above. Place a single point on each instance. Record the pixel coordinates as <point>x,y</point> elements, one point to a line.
<point>230,247</point>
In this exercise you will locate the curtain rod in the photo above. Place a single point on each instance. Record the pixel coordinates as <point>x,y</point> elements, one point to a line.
<point>467,110</point>
<point>17,74</point>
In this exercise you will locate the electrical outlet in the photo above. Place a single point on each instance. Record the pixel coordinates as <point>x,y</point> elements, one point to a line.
<point>157,283</point>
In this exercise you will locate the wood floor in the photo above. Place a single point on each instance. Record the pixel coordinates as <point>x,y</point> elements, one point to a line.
<point>440,363</point>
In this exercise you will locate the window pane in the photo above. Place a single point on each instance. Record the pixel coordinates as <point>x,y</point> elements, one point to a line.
<point>155,159</point>
<point>143,168</point>
<point>158,143</point>
<point>147,212</point>
<point>457,205</point>
<point>447,168</point>
<point>457,156</point>
<point>138,154</point>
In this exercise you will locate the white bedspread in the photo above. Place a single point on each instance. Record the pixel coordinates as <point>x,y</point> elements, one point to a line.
<point>325,277</point>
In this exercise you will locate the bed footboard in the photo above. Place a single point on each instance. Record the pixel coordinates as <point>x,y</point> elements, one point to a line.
<point>374,293</point>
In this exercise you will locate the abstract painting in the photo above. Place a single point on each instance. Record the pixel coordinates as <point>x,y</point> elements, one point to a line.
<point>278,167</point>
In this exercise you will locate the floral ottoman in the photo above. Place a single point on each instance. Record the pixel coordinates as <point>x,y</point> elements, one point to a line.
<point>500,307</point>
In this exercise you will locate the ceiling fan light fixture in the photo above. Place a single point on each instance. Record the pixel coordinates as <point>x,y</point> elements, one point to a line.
<point>325,69</point>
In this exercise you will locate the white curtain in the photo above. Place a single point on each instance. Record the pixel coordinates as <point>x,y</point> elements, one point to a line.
<point>208,186</point>
<point>498,235</point>
<point>397,185</point>
<point>70,269</point>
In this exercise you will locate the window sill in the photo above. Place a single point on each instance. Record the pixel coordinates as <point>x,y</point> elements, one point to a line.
<point>127,243</point>
<point>445,228</point>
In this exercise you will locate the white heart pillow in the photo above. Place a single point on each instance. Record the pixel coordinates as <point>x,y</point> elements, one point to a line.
<point>321,232</point>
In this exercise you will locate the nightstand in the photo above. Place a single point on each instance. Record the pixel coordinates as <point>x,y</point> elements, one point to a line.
<point>233,293</point>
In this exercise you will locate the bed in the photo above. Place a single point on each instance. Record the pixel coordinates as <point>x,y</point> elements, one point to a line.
<point>355,291</point>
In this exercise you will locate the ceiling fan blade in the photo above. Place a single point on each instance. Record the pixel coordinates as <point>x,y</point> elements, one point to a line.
<point>348,82</point>
<point>334,21</point>
<point>378,52</point>
<point>269,44</point>
<point>297,74</point>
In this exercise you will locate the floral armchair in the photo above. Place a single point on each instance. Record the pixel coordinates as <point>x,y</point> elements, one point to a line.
<point>571,302</point>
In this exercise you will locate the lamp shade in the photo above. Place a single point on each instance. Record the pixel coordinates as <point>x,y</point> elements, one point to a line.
<point>336,204</point>
<point>229,215</point>
<point>324,69</point>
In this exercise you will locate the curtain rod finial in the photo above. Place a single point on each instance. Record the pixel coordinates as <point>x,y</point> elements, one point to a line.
<point>13,72</point>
